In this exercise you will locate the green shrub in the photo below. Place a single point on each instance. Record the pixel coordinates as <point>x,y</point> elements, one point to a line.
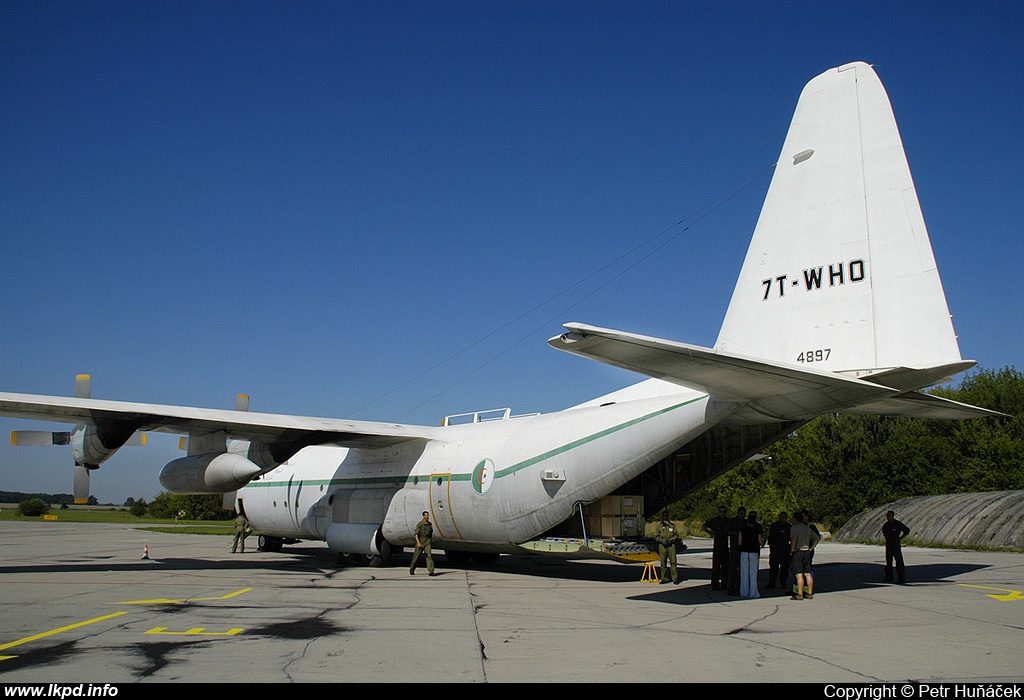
<point>33,507</point>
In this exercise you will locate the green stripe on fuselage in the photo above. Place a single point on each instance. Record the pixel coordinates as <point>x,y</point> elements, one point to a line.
<point>583,441</point>
<point>398,482</point>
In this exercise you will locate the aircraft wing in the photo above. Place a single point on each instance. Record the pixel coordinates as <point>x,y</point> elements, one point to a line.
<point>770,389</point>
<point>182,420</point>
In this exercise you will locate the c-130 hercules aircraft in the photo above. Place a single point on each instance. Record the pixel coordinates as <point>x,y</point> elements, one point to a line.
<point>838,309</point>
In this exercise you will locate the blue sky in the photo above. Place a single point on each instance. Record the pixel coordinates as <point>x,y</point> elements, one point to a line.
<point>381,210</point>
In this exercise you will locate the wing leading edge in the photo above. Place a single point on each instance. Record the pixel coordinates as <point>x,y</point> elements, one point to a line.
<point>240,425</point>
<point>774,391</point>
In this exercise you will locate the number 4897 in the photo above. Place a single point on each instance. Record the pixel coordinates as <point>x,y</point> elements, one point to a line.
<point>814,355</point>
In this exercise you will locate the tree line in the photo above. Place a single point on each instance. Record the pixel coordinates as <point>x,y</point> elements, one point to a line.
<point>53,499</point>
<point>839,465</point>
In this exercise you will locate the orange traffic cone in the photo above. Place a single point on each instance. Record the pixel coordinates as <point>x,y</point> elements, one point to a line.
<point>145,552</point>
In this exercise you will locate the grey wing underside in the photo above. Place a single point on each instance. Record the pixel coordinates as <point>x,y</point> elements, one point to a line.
<point>187,420</point>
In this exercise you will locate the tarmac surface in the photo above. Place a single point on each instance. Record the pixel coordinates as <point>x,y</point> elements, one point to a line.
<point>80,605</point>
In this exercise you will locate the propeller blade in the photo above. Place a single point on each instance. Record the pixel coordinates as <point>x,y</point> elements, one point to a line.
<point>242,402</point>
<point>137,439</point>
<point>83,386</point>
<point>81,485</point>
<point>35,438</point>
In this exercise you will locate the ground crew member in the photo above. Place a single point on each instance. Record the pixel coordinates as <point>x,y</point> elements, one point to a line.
<point>424,533</point>
<point>894,531</point>
<point>241,532</point>
<point>668,538</point>
<point>718,528</point>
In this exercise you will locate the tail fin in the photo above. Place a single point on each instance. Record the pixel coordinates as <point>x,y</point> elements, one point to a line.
<point>840,274</point>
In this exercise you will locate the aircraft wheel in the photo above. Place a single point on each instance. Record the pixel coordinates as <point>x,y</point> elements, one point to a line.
<point>269,544</point>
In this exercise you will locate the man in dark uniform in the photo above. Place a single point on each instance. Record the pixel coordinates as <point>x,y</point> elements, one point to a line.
<point>735,525</point>
<point>718,528</point>
<point>668,537</point>
<point>778,551</point>
<point>424,533</point>
<point>894,531</point>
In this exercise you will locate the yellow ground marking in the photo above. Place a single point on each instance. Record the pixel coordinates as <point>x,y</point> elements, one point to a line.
<point>197,630</point>
<point>1009,595</point>
<point>165,601</point>
<point>41,635</point>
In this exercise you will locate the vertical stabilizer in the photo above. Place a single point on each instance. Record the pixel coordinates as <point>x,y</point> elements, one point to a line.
<point>840,274</point>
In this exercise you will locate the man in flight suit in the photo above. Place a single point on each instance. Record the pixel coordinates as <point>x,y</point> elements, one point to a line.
<point>241,532</point>
<point>667,538</point>
<point>424,532</point>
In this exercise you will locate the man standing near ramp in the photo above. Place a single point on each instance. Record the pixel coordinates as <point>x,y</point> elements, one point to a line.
<point>778,551</point>
<point>668,538</point>
<point>718,528</point>
<point>801,546</point>
<point>894,531</point>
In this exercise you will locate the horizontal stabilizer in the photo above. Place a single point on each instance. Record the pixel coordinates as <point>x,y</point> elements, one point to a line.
<point>908,379</point>
<point>918,405</point>
<point>779,391</point>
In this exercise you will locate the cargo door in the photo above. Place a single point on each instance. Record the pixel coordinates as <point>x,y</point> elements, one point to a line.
<point>441,513</point>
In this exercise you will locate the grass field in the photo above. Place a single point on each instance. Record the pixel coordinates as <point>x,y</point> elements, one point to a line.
<point>97,514</point>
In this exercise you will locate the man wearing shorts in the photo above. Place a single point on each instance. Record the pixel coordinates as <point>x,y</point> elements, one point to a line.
<point>802,540</point>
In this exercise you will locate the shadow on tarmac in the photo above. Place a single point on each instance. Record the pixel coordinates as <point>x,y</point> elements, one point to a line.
<point>830,576</point>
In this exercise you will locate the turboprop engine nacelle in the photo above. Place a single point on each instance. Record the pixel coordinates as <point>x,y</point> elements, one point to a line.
<point>210,473</point>
<point>92,445</point>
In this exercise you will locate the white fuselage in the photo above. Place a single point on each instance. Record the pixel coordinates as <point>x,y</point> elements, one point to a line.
<point>493,483</point>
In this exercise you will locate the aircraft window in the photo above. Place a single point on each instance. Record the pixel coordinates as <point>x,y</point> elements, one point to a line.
<point>440,481</point>
<point>415,480</point>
